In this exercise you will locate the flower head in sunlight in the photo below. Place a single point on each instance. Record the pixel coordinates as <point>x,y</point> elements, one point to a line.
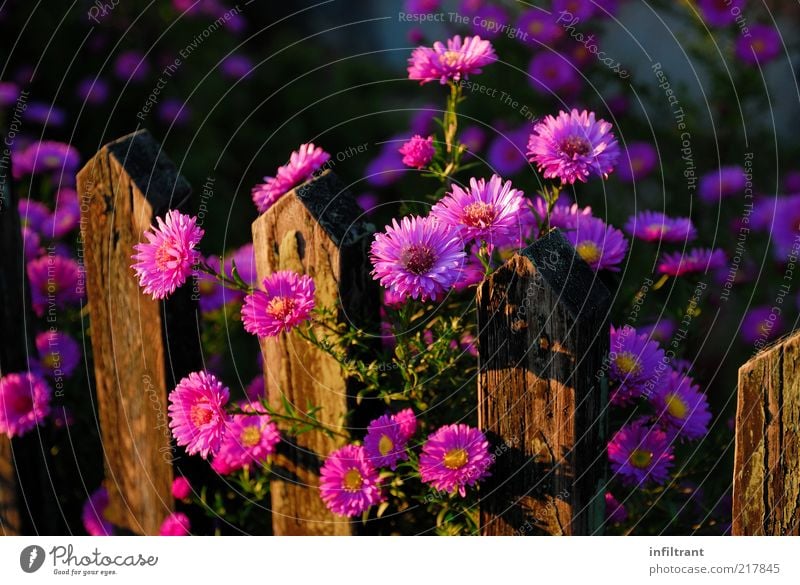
<point>249,439</point>
<point>349,484</point>
<point>197,413</point>
<point>454,457</point>
<point>303,163</point>
<point>285,302</point>
<point>385,443</point>
<point>451,62</point>
<point>165,261</point>
<point>418,151</point>
<point>600,245</point>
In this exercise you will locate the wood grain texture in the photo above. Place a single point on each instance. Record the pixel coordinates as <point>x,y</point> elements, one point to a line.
<point>314,230</point>
<point>141,347</point>
<point>28,501</point>
<point>766,481</point>
<point>543,337</point>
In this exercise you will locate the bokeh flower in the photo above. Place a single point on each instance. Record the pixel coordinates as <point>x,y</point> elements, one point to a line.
<point>285,302</point>
<point>59,353</point>
<point>54,279</point>
<point>24,403</point>
<point>197,414</point>
<point>761,324</point>
<point>539,25</point>
<point>637,161</point>
<point>181,488</point>
<point>93,514</point>
<point>692,261</point>
<point>349,484</point>
<point>727,181</point>
<point>454,457</point>
<point>762,45</point>
<point>615,512</point>
<point>176,524</point>
<point>552,73</point>
<point>720,12</point>
<point>654,226</point>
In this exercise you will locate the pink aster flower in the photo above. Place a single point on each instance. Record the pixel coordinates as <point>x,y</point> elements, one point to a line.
<point>695,260</point>
<point>166,260</point>
<point>681,407</point>
<point>601,246</point>
<point>93,514</point>
<point>249,439</point>
<point>418,257</point>
<point>385,444</point>
<point>418,151</point>
<point>454,457</point>
<point>573,146</point>
<point>55,279</point>
<point>453,62</point>
<point>640,454</point>
<point>303,163</point>
<point>286,301</point>
<point>176,524</point>
<point>408,423</point>
<point>349,484</point>
<point>654,226</point>
<point>181,488</point>
<point>24,403</point>
<point>59,353</point>
<point>635,364</point>
<point>197,414</point>
<point>491,211</point>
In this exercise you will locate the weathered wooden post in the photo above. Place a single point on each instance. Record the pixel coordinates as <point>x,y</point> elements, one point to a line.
<point>141,347</point>
<point>27,502</point>
<point>766,478</point>
<point>543,336</point>
<point>315,230</point>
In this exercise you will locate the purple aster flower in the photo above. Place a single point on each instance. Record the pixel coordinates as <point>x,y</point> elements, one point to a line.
<point>93,91</point>
<point>661,331</point>
<point>763,44</point>
<point>8,93</point>
<point>173,111</point>
<point>197,413</point>
<point>245,260</point>
<point>507,152</point>
<point>384,169</point>
<point>454,457</point>
<point>694,260</point>
<point>423,6</point>
<point>175,524</point>
<point>601,246</point>
<point>720,12</point>
<point>54,279</point>
<point>385,443</point>
<point>369,202</point>
<point>573,146</point>
<point>31,244</point>
<point>615,512</point>
<point>581,9</point>
<point>349,484</point>
<point>564,215</point>
<point>470,7</point>
<point>451,62</point>
<point>59,353</point>
<point>760,324</point>
<point>637,162</point>
<point>93,515</point>
<point>551,73</point>
<point>286,301</point>
<point>66,215</point>
<point>131,66</point>
<point>486,211</point>
<point>418,257</point>
<point>782,215</point>
<point>418,151</point>
<point>540,26</point>
<point>249,439</point>
<point>33,215</point>
<point>422,122</point>
<point>635,364</point>
<point>489,21</point>
<point>640,454</point>
<point>654,226</point>
<point>236,66</point>
<point>49,155</point>
<point>791,181</point>
<point>725,182</point>
<point>167,259</point>
<point>681,408</point>
<point>45,114</point>
<point>474,138</point>
<point>303,163</point>
<point>24,403</point>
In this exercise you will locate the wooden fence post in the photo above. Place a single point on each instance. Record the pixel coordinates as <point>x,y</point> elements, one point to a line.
<point>141,347</point>
<point>314,229</point>
<point>543,336</point>
<point>27,500</point>
<point>766,478</point>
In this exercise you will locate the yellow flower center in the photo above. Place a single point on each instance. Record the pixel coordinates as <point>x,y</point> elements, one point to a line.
<point>280,307</point>
<point>640,458</point>
<point>455,458</point>
<point>627,363</point>
<point>676,406</point>
<point>51,360</point>
<point>352,480</point>
<point>385,445</point>
<point>250,436</point>
<point>589,251</point>
<point>535,27</point>
<point>450,58</point>
<point>199,415</point>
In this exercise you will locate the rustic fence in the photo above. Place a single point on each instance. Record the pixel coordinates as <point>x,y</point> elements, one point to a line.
<point>542,397</point>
